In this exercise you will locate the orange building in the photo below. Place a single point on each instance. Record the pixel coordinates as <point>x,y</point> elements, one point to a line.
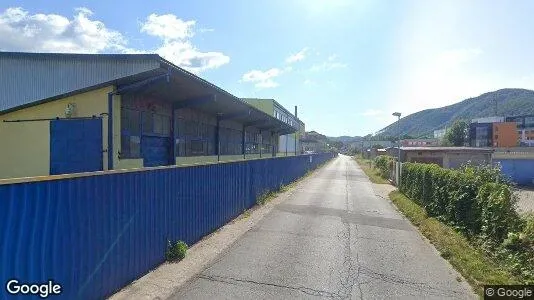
<point>505,134</point>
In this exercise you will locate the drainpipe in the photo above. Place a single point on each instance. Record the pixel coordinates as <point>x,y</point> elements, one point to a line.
<point>110,130</point>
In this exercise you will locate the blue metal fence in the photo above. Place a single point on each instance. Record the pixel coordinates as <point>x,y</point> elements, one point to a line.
<point>521,171</point>
<point>95,234</point>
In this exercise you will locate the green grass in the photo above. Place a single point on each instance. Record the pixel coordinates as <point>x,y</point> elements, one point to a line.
<point>372,173</point>
<point>475,266</point>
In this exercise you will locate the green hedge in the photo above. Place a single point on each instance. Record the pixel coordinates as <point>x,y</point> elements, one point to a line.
<point>475,199</point>
<point>383,164</point>
<point>479,202</point>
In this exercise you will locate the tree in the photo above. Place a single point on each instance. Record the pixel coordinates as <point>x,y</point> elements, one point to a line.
<point>456,135</point>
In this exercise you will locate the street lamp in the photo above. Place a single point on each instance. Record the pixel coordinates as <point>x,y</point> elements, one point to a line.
<point>398,115</point>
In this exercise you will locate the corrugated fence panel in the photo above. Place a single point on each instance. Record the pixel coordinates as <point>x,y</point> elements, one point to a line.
<point>95,234</point>
<point>521,171</point>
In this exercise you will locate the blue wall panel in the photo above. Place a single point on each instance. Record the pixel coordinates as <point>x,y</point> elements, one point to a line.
<point>521,171</point>
<point>96,234</point>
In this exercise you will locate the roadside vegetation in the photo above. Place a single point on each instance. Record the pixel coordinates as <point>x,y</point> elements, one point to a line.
<point>176,251</point>
<point>374,169</point>
<point>469,216</point>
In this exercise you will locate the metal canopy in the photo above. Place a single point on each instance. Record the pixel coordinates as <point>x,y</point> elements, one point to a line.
<point>187,92</point>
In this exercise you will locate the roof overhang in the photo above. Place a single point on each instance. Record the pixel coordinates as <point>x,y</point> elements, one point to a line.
<point>184,89</point>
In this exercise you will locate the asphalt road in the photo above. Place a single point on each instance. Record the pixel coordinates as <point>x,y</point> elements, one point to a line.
<point>333,238</point>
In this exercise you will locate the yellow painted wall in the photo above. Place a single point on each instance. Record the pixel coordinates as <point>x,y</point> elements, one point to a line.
<point>25,149</point>
<point>128,163</point>
<point>191,160</point>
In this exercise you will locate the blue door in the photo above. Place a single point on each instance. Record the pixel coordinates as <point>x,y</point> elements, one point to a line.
<point>75,146</point>
<point>156,151</point>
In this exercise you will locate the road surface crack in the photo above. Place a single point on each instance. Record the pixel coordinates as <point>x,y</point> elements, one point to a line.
<point>236,281</point>
<point>350,272</point>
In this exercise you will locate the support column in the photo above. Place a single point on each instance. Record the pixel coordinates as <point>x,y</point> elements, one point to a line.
<point>173,136</point>
<point>218,137</point>
<point>243,141</point>
<point>287,142</point>
<point>273,149</point>
<point>261,142</point>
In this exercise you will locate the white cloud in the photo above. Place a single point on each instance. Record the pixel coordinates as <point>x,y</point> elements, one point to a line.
<point>264,79</point>
<point>168,27</point>
<point>22,31</point>
<point>297,56</point>
<point>331,63</point>
<point>185,55</point>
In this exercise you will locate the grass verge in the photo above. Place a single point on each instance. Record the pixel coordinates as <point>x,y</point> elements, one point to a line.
<point>372,173</point>
<point>475,266</point>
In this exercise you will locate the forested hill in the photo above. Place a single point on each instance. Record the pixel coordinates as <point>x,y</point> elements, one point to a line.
<point>505,102</point>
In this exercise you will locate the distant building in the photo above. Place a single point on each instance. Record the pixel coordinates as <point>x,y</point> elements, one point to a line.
<point>495,119</point>
<point>498,134</point>
<point>447,157</point>
<point>493,132</point>
<point>364,145</point>
<point>525,129</point>
<point>440,133</point>
<point>288,144</point>
<point>419,142</point>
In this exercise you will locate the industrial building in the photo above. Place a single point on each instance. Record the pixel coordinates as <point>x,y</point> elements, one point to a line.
<point>70,113</point>
<point>288,144</point>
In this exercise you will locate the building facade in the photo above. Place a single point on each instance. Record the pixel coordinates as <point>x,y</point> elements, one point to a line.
<point>419,142</point>
<point>288,144</point>
<point>71,113</point>
<point>447,157</point>
<point>493,134</point>
<point>525,129</point>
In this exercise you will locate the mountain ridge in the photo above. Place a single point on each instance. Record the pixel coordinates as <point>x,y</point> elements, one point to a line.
<point>503,102</point>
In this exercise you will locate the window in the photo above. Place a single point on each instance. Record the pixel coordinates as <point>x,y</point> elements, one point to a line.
<point>195,134</point>
<point>130,133</point>
<point>496,137</point>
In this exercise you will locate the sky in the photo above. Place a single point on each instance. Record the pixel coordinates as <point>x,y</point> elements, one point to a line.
<point>346,64</point>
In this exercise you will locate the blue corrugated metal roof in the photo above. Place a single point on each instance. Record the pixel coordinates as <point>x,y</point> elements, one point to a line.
<point>26,78</point>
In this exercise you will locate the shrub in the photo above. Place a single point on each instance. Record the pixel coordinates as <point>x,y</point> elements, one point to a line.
<point>383,164</point>
<point>176,251</point>
<point>477,200</point>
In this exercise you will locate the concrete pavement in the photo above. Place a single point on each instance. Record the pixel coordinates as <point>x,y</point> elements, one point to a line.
<point>332,238</point>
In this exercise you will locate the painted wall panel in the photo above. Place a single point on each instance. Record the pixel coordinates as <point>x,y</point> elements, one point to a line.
<point>96,233</point>
<point>520,171</point>
<point>25,149</point>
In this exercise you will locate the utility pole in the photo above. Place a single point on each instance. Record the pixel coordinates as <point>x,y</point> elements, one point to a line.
<point>398,115</point>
